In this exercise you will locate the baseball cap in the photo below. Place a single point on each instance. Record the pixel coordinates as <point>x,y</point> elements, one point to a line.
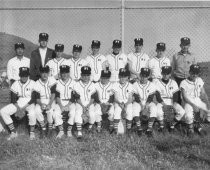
<point>105,74</point>
<point>64,69</point>
<point>145,72</point>
<point>45,69</point>
<point>195,69</point>
<point>117,44</point>
<point>77,48</point>
<point>43,37</point>
<point>138,41</point>
<point>166,69</point>
<point>59,47</point>
<point>161,46</point>
<point>86,70</point>
<point>95,44</point>
<point>124,72</point>
<point>23,71</point>
<point>19,45</point>
<point>185,41</point>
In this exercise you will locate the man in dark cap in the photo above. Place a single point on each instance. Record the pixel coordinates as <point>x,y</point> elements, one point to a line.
<point>182,61</point>
<point>96,61</point>
<point>192,90</point>
<point>137,59</point>
<point>76,62</point>
<point>40,56</point>
<point>16,62</point>
<point>22,100</point>
<point>116,60</point>
<point>87,110</point>
<point>56,62</point>
<point>168,90</point>
<point>157,62</point>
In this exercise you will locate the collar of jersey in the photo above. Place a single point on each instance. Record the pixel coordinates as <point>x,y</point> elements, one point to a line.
<point>124,85</point>
<point>161,58</point>
<point>43,83</point>
<point>23,58</point>
<point>94,57</point>
<point>181,53</point>
<point>21,84</point>
<point>63,83</point>
<point>102,86</point>
<point>75,60</point>
<point>55,60</point>
<point>144,85</point>
<point>84,85</point>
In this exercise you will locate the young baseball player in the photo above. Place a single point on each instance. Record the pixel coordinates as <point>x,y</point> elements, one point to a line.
<point>123,92</point>
<point>116,60</point>
<point>146,91</point>
<point>192,90</point>
<point>64,89</point>
<point>104,89</point>
<point>76,62</point>
<point>157,62</point>
<point>96,61</point>
<point>45,92</point>
<point>85,91</point>
<point>15,63</point>
<point>22,101</point>
<point>137,59</point>
<point>169,89</point>
<point>55,63</point>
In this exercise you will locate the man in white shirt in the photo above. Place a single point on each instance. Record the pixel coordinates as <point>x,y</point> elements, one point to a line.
<point>116,60</point>
<point>157,62</point>
<point>96,61</point>
<point>15,63</point>
<point>137,60</point>
<point>75,63</point>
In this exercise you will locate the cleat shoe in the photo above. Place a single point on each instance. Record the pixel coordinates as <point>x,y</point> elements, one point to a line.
<point>129,131</point>
<point>32,136</point>
<point>79,134</point>
<point>98,129</point>
<point>172,129</point>
<point>161,130</point>
<point>140,132</point>
<point>149,133</point>
<point>60,135</point>
<point>190,133</point>
<point>50,133</point>
<point>69,134</point>
<point>12,136</point>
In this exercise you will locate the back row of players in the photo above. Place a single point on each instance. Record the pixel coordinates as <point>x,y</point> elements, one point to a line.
<point>84,88</point>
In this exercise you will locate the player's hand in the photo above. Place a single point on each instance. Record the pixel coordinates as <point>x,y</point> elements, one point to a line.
<point>48,107</point>
<point>43,106</point>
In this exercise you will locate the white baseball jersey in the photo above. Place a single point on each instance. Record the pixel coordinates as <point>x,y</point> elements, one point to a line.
<point>167,90</point>
<point>138,61</point>
<point>13,66</point>
<point>104,91</point>
<point>97,64</point>
<point>85,91</point>
<point>155,64</point>
<point>115,64</point>
<point>54,65</point>
<point>122,93</point>
<point>144,90</point>
<point>75,67</point>
<point>65,90</point>
<point>44,89</point>
<point>192,89</point>
<point>23,91</point>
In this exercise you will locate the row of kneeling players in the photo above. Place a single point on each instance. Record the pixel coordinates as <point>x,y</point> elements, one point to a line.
<point>85,100</point>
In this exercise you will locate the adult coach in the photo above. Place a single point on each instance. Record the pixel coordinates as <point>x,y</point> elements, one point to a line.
<point>16,62</point>
<point>182,61</point>
<point>40,56</point>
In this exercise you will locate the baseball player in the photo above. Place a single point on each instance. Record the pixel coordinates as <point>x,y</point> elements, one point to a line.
<point>45,92</point>
<point>123,91</point>
<point>15,63</point>
<point>137,59</point>
<point>22,101</point>
<point>55,63</point>
<point>169,89</point>
<point>145,91</point>
<point>76,62</point>
<point>85,91</point>
<point>64,89</point>
<point>157,62</point>
<point>96,61</point>
<point>116,60</point>
<point>104,89</point>
<point>192,90</point>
